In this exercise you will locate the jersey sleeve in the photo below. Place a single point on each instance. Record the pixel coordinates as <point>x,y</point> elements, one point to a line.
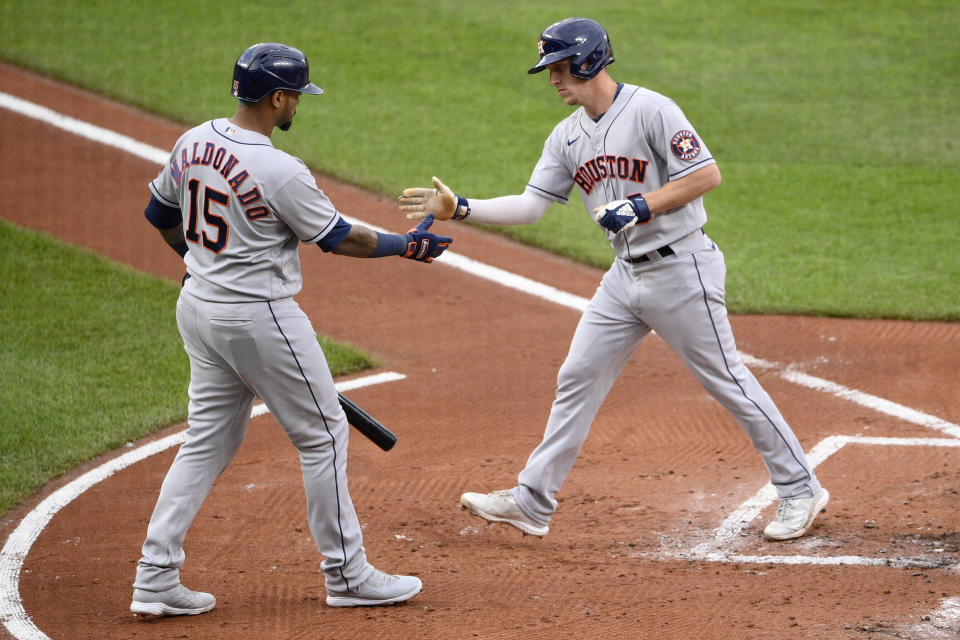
<point>552,178</point>
<point>305,208</point>
<point>164,188</point>
<point>675,140</point>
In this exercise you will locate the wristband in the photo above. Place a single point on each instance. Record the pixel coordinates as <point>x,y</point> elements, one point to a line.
<point>389,244</point>
<point>462,210</point>
<point>641,208</point>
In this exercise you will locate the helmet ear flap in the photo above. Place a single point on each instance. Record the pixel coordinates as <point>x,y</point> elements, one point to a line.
<point>581,66</point>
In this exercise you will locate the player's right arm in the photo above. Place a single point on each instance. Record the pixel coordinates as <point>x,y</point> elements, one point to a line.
<point>163,210</point>
<point>168,221</point>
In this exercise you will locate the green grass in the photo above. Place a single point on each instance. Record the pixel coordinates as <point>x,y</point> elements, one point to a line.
<point>836,115</point>
<point>891,263</point>
<point>825,105</point>
<point>834,123</point>
<point>91,359</point>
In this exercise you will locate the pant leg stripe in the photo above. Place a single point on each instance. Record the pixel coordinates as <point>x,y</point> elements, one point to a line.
<point>726,365</point>
<point>336,482</point>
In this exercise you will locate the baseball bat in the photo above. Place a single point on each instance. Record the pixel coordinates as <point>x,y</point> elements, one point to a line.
<point>367,424</point>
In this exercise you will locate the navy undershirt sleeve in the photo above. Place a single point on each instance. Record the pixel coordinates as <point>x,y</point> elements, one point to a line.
<point>333,239</point>
<point>162,216</point>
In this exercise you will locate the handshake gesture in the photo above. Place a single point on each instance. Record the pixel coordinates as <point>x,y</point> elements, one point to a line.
<point>428,205</point>
<point>440,202</point>
<point>424,246</point>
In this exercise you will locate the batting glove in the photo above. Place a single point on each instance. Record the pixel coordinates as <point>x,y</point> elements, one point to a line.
<point>622,214</point>
<point>423,245</point>
<point>443,203</point>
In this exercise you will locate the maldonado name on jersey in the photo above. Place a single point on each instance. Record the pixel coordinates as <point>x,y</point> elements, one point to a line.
<point>216,157</point>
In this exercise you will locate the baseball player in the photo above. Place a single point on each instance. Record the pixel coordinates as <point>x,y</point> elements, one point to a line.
<point>236,209</point>
<point>642,169</point>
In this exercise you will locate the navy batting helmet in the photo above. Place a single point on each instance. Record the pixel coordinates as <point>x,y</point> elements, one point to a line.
<point>582,39</point>
<point>269,66</point>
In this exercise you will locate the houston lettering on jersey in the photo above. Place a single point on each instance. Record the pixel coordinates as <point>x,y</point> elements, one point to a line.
<point>216,157</point>
<point>609,167</point>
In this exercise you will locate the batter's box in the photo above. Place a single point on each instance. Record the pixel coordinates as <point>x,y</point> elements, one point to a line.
<point>898,509</point>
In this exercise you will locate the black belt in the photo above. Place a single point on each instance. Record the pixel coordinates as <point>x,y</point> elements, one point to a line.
<point>664,251</point>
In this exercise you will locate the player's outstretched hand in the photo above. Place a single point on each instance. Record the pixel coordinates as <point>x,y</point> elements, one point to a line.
<point>622,214</point>
<point>417,202</point>
<point>423,245</point>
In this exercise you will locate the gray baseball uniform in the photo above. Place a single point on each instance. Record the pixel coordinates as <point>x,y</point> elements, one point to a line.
<point>668,277</point>
<point>246,206</point>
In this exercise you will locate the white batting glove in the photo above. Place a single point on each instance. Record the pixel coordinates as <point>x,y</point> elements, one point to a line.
<point>622,214</point>
<point>443,203</point>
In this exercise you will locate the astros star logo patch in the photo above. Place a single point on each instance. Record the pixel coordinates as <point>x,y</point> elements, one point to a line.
<point>685,145</point>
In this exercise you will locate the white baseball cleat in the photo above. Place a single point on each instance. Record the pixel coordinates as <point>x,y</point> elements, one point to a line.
<point>795,516</point>
<point>380,588</point>
<point>176,601</point>
<point>501,506</point>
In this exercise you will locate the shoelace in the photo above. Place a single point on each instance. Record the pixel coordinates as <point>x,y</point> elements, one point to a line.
<point>378,578</point>
<point>784,507</point>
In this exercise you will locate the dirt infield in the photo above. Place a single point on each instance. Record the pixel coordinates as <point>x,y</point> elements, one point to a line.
<point>663,468</point>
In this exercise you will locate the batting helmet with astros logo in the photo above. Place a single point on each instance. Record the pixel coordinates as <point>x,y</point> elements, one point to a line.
<point>269,66</point>
<point>581,39</point>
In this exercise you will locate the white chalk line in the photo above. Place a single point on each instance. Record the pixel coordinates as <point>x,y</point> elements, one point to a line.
<point>729,532</point>
<point>17,546</point>
<point>83,129</point>
<point>728,535</point>
<point>939,624</point>
<point>520,283</point>
<point>893,409</point>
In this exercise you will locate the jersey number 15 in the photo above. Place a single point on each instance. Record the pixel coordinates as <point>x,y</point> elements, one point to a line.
<point>216,223</point>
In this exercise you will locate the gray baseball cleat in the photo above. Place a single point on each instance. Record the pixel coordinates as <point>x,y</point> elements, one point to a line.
<point>795,516</point>
<point>379,588</point>
<point>176,601</point>
<point>501,506</point>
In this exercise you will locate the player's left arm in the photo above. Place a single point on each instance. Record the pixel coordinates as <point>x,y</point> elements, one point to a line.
<point>638,209</point>
<point>358,241</point>
<point>309,210</point>
<point>677,193</point>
